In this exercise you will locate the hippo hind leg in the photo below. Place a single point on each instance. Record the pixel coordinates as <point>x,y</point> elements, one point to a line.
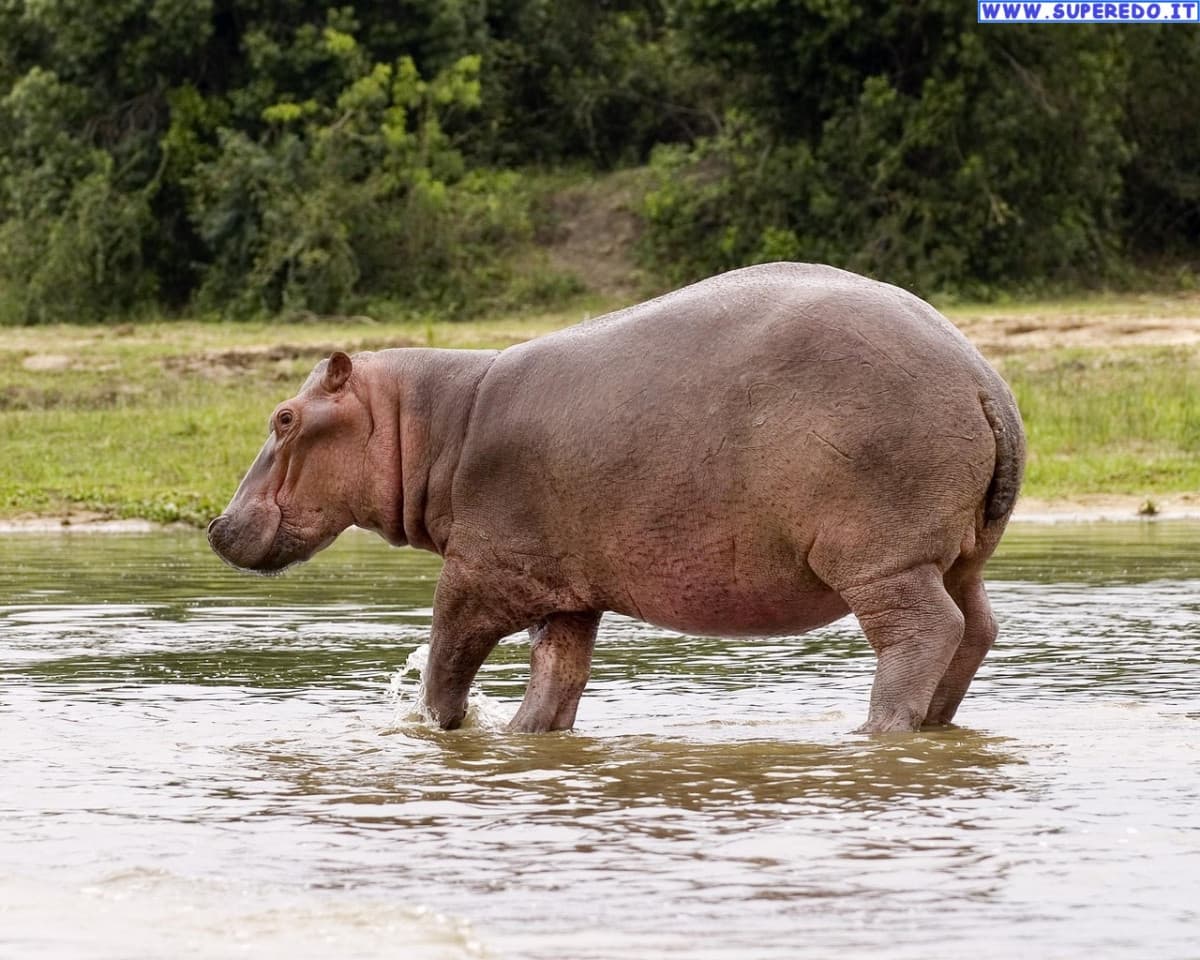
<point>560,662</point>
<point>978,636</point>
<point>915,629</point>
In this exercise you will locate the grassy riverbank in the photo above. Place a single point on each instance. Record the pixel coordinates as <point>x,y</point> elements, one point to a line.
<point>159,420</point>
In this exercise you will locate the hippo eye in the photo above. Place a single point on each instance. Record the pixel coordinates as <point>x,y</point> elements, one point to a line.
<point>285,418</point>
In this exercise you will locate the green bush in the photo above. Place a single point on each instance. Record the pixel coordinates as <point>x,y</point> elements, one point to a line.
<point>986,161</point>
<point>360,195</point>
<point>321,178</point>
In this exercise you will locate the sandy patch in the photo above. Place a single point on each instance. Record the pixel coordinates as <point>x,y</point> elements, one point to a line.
<point>1108,507</point>
<point>225,364</point>
<point>42,362</point>
<point>79,521</point>
<point>59,525</point>
<point>1170,321</point>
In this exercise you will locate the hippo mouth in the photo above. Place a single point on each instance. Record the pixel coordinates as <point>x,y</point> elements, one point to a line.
<point>289,550</point>
<point>284,549</point>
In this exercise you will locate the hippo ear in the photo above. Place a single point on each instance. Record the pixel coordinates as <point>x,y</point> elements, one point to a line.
<point>337,372</point>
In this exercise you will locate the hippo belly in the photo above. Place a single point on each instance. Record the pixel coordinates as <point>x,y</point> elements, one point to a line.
<point>739,588</point>
<point>715,610</point>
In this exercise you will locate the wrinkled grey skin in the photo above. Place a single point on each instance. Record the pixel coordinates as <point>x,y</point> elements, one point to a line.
<point>755,454</point>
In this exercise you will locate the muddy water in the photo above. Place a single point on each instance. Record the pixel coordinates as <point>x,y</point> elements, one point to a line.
<point>197,764</point>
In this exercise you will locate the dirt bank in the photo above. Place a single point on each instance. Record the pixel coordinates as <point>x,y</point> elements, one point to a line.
<point>1100,508</point>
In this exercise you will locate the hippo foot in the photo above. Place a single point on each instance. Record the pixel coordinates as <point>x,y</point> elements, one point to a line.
<point>899,720</point>
<point>545,711</point>
<point>448,716</point>
<point>531,723</point>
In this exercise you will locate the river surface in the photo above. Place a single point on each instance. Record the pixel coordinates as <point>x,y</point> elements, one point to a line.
<point>195,763</point>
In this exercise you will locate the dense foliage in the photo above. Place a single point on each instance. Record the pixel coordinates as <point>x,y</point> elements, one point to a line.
<point>906,141</point>
<point>265,155</point>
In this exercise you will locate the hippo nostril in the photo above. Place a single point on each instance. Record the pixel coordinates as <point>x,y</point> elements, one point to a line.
<point>214,527</point>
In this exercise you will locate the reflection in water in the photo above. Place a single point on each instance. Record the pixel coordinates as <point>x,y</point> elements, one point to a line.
<point>751,778</point>
<point>202,764</point>
<point>1098,553</point>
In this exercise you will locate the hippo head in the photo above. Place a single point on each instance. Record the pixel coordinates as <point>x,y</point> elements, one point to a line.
<point>299,493</point>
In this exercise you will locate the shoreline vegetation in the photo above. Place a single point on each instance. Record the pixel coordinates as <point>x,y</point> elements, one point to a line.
<point>120,426</point>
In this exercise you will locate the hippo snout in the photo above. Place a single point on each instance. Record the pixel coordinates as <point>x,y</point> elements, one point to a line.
<point>248,540</point>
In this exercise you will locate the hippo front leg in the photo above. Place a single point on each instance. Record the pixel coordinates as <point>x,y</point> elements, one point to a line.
<point>464,632</point>
<point>454,659</point>
<point>560,662</point>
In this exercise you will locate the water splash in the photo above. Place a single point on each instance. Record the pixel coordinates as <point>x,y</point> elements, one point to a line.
<point>406,691</point>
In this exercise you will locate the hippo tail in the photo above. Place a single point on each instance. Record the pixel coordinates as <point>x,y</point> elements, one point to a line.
<point>1009,467</point>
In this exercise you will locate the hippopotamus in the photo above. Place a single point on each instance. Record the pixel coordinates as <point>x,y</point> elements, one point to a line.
<point>759,453</point>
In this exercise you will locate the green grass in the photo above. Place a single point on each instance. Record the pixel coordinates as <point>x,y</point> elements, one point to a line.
<point>1105,421</point>
<point>159,420</point>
